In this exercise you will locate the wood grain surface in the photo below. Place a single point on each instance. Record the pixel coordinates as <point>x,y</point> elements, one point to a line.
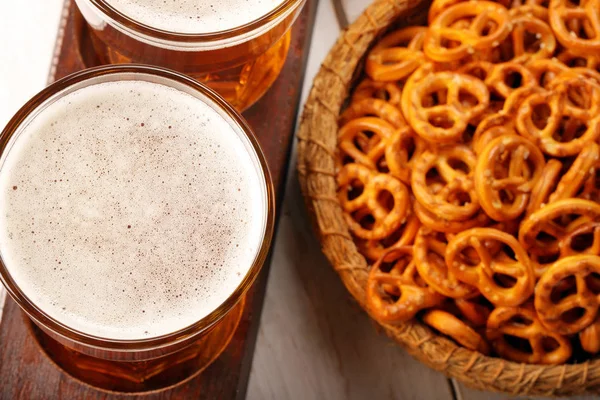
<point>26,373</point>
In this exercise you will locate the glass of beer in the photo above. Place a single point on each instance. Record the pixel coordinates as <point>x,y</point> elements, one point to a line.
<point>136,210</point>
<point>237,47</point>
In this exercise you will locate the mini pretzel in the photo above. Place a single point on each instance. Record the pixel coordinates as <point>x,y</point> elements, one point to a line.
<point>553,138</point>
<point>525,164</point>
<point>397,55</point>
<point>522,322</point>
<point>387,217</point>
<point>545,70</point>
<point>563,13</point>
<point>569,245</point>
<point>449,325</point>
<point>404,235</point>
<point>453,114</point>
<point>500,73</point>
<point>353,141</point>
<point>432,221</point>
<point>524,26</point>
<point>402,149</point>
<point>473,311</point>
<point>570,314</point>
<point>482,271</point>
<point>541,232</point>
<point>373,107</point>
<point>530,9</point>
<point>369,89</point>
<point>574,59</point>
<point>429,253</point>
<point>453,195</point>
<point>590,337</point>
<point>485,16</point>
<point>401,282</point>
<point>544,186</point>
<point>571,182</point>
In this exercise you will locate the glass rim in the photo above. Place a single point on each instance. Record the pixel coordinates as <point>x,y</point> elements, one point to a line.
<point>40,317</point>
<point>162,34</point>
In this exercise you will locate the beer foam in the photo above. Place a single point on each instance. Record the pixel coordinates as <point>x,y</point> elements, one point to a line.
<point>130,209</point>
<point>192,16</point>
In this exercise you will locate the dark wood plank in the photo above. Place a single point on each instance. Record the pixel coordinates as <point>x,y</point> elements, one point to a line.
<point>26,373</point>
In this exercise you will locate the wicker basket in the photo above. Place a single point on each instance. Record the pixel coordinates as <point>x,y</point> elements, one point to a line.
<point>317,143</point>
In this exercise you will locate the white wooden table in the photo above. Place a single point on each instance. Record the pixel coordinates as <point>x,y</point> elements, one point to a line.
<point>314,342</point>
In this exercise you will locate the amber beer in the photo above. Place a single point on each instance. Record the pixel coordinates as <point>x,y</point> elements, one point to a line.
<point>236,47</point>
<point>136,209</point>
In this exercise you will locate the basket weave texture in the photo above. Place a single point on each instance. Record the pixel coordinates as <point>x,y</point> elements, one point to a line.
<point>316,169</point>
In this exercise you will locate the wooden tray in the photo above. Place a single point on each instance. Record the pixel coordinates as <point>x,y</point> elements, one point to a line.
<point>26,372</point>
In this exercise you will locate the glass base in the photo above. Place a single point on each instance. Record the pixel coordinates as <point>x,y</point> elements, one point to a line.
<point>144,376</point>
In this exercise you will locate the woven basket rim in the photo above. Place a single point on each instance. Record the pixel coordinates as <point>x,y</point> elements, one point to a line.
<point>317,141</point>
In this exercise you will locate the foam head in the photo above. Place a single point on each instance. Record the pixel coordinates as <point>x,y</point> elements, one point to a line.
<point>192,16</point>
<point>130,209</point>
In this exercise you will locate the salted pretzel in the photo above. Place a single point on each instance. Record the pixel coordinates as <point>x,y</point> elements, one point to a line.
<point>544,345</point>
<point>574,59</point>
<point>519,49</point>
<point>434,222</point>
<point>488,26</point>
<point>375,108</point>
<point>462,333</point>
<point>447,121</point>
<point>369,89</point>
<point>590,337</point>
<point>505,174</point>
<point>396,294</point>
<point>541,232</point>
<point>403,147</point>
<point>403,236</point>
<point>451,194</point>
<point>387,217</point>
<point>569,125</point>
<point>397,55</point>
<point>571,183</point>
<point>362,149</point>
<point>568,313</point>
<point>492,126</point>
<point>474,310</point>
<point>546,70</point>
<point>429,253</point>
<point>481,272</point>
<point>544,186</point>
<point>576,25</point>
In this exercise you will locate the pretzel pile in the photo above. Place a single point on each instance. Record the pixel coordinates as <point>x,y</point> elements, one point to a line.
<point>468,172</point>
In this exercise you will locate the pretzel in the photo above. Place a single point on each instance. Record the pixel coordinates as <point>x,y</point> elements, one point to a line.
<point>574,59</point>
<point>504,195</point>
<point>498,78</point>
<point>473,310</point>
<point>488,26</point>
<point>545,346</point>
<point>568,313</point>
<point>590,337</point>
<point>443,123</point>
<point>463,334</point>
<point>571,182</point>
<point>524,26</point>
<point>545,185</point>
<point>429,253</point>
<point>561,134</point>
<point>358,146</point>
<point>452,196</point>
<point>432,221</point>
<point>369,89</point>
<point>529,10</point>
<point>396,295</point>
<point>545,70</point>
<point>480,272</point>
<point>404,235</point>
<point>541,232</point>
<point>373,107</point>
<point>402,149</point>
<point>387,217</point>
<point>397,55</point>
<point>564,19</point>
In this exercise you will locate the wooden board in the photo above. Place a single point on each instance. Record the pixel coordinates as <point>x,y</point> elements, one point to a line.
<point>26,373</point>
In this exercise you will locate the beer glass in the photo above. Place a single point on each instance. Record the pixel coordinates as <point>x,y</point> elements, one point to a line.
<point>147,363</point>
<point>239,63</point>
